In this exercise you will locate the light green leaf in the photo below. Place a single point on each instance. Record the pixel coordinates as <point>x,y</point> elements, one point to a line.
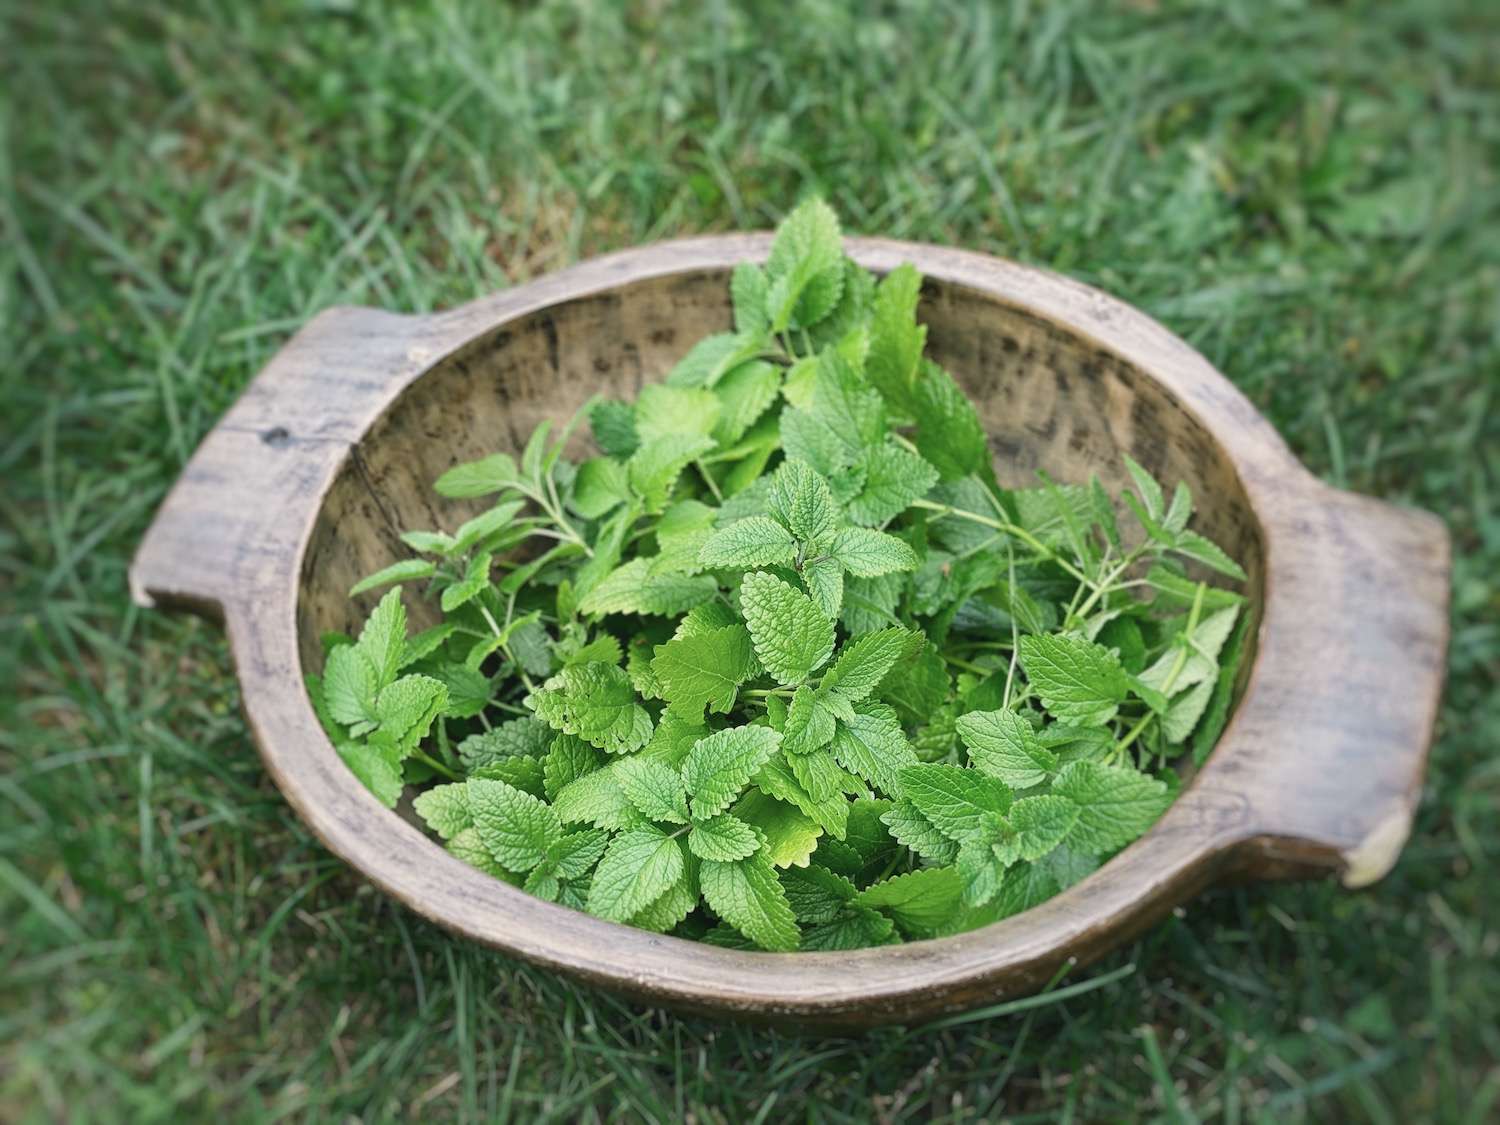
<point>747,291</point>
<point>1147,488</point>
<point>756,541</point>
<point>874,746</point>
<point>854,927</point>
<point>894,477</point>
<point>798,497</point>
<point>444,809</point>
<point>383,639</point>
<point>484,526</point>
<point>825,585</point>
<point>1116,804</point>
<point>655,790</point>
<point>777,779</point>
<point>921,902</point>
<point>613,424</point>
<point>744,395</point>
<point>597,702</point>
<point>1004,745</point>
<point>634,588</point>
<point>407,570</point>
<point>809,723</point>
<point>720,765</point>
<point>1040,824</point>
<point>349,686</point>
<point>723,837</point>
<point>791,638</point>
<point>378,768</point>
<point>639,867</point>
<point>478,478</point>
<point>704,669</point>
<point>601,484</point>
<point>791,836</point>
<point>653,469</point>
<point>1209,553</point>
<point>896,340</point>
<point>471,585</point>
<point>867,553</point>
<point>665,412</point>
<point>864,662</point>
<point>1184,712</point>
<point>596,798</point>
<point>1078,681</point>
<point>949,434</point>
<point>962,804</point>
<point>515,826</point>
<point>747,895</point>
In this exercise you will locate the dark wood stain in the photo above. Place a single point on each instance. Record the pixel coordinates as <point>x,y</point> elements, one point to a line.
<point>298,492</point>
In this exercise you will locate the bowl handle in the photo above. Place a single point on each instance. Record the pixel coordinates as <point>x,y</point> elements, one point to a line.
<point>1339,716</point>
<point>231,524</point>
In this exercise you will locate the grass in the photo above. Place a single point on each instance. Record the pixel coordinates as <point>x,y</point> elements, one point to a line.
<point>1305,192</point>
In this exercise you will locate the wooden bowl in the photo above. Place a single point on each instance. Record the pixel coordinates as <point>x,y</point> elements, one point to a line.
<point>304,485</point>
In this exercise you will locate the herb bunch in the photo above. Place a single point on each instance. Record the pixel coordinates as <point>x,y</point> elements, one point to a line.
<point>783,667</point>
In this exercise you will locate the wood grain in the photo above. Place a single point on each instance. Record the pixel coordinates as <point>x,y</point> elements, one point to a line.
<point>302,487</point>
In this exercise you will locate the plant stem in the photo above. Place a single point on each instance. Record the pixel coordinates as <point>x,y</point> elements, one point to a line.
<point>1010,529</point>
<point>435,765</point>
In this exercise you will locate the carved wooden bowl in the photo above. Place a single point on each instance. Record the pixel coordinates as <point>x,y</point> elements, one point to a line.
<point>303,486</point>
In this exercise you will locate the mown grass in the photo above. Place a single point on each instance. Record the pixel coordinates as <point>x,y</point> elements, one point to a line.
<point>1308,193</point>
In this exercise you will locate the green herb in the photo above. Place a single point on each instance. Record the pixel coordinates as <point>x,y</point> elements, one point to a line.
<point>784,666</point>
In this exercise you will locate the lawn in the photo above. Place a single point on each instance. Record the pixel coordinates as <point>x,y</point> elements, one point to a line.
<point>1310,194</point>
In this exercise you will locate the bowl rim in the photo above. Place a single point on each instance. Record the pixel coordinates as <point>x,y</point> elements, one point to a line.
<point>1225,818</point>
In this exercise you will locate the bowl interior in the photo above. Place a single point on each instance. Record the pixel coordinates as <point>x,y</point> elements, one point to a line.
<point>1050,398</point>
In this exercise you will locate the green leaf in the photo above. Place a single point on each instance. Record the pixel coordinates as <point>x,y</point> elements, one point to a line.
<point>723,837</point>
<point>819,775</point>
<point>476,578</point>
<point>1025,885</point>
<point>756,541</point>
<point>747,290</point>
<point>894,477</point>
<point>1217,712</point>
<point>1004,745</point>
<point>597,702</point>
<point>874,746</point>
<point>854,927</point>
<point>744,395</point>
<point>655,790</point>
<point>671,908</point>
<point>791,638</point>
<point>777,779</point>
<point>478,478</point>
<point>710,358</point>
<point>662,412</point>
<point>467,846</point>
<point>815,893</point>
<point>526,737</point>
<point>634,588</point>
<point>922,903</point>
<point>798,497</point>
<point>349,686</point>
<point>824,578</point>
<point>720,765</point>
<point>515,826</point>
<point>809,723</point>
<point>1147,488</point>
<point>1116,804</point>
<point>1209,553</point>
<point>864,662</point>
<point>896,340</point>
<point>596,798</point>
<point>429,542</point>
<point>866,553</point>
<point>377,767</point>
<point>484,526</point>
<point>790,835</point>
<point>407,709</point>
<point>1184,712</point>
<point>653,469</point>
<point>1078,681</point>
<point>960,803</point>
<point>704,669</point>
<point>911,828</point>
<point>568,759</point>
<point>640,866</point>
<point>747,895</point>
<point>920,686</point>
<point>602,483</point>
<point>981,868</point>
<point>383,639</point>
<point>1040,824</point>
<point>613,424</point>
<point>949,434</point>
<point>407,570</point>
